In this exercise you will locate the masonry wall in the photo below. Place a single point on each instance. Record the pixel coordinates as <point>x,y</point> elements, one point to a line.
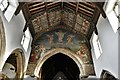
<point>109,43</point>
<point>13,35</point>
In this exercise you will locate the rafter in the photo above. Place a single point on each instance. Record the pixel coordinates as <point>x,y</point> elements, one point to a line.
<point>77,5</point>
<point>46,8</point>
<point>27,15</point>
<point>86,7</point>
<point>26,12</point>
<point>36,5</point>
<point>87,10</point>
<point>37,11</point>
<point>53,5</point>
<point>88,4</point>
<point>36,8</point>
<point>100,8</point>
<point>21,4</point>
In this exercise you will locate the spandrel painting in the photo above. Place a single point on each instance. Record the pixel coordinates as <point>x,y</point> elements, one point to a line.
<point>60,38</point>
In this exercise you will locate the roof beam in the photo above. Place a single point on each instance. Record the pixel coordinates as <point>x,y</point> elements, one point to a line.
<point>36,5</point>
<point>37,8</point>
<point>21,4</point>
<point>77,5</point>
<point>88,4</point>
<point>100,8</point>
<point>46,8</point>
<point>86,7</point>
<point>26,14</point>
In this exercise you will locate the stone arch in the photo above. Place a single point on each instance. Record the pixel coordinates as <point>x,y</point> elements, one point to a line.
<point>52,52</point>
<point>19,57</point>
<point>3,76</point>
<point>107,75</point>
<point>2,39</point>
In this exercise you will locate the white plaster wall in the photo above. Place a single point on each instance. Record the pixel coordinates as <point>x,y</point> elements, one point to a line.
<point>27,54</point>
<point>119,52</point>
<point>13,34</point>
<point>109,43</point>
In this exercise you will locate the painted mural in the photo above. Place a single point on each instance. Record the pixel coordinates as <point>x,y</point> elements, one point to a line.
<point>60,38</point>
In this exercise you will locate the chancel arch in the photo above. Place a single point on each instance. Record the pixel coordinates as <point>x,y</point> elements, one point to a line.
<point>65,42</point>
<point>52,52</point>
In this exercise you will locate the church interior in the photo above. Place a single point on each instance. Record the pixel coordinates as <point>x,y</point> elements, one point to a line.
<point>59,40</point>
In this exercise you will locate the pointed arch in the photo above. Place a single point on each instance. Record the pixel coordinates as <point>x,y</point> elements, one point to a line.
<point>105,75</point>
<point>2,39</point>
<point>16,60</point>
<point>54,51</point>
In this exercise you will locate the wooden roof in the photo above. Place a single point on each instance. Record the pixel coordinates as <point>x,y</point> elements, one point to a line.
<point>79,17</point>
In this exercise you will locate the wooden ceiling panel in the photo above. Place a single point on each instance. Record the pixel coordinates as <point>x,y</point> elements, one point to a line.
<point>88,4</point>
<point>36,7</point>
<point>54,17</point>
<point>78,24</point>
<point>53,5</point>
<point>86,7</point>
<point>69,6</point>
<point>68,18</point>
<point>85,27</point>
<point>40,22</point>
<point>76,15</point>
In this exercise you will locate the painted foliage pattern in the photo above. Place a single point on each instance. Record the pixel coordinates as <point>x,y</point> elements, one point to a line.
<point>60,39</point>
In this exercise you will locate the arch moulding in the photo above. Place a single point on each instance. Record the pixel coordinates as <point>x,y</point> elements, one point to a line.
<point>2,40</point>
<point>20,59</point>
<point>52,52</point>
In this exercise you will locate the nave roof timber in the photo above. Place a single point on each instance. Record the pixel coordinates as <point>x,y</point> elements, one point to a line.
<point>88,11</point>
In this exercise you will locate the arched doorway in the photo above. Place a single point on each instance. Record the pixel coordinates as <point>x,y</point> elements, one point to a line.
<point>14,65</point>
<point>72,56</point>
<point>106,75</point>
<point>60,66</point>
